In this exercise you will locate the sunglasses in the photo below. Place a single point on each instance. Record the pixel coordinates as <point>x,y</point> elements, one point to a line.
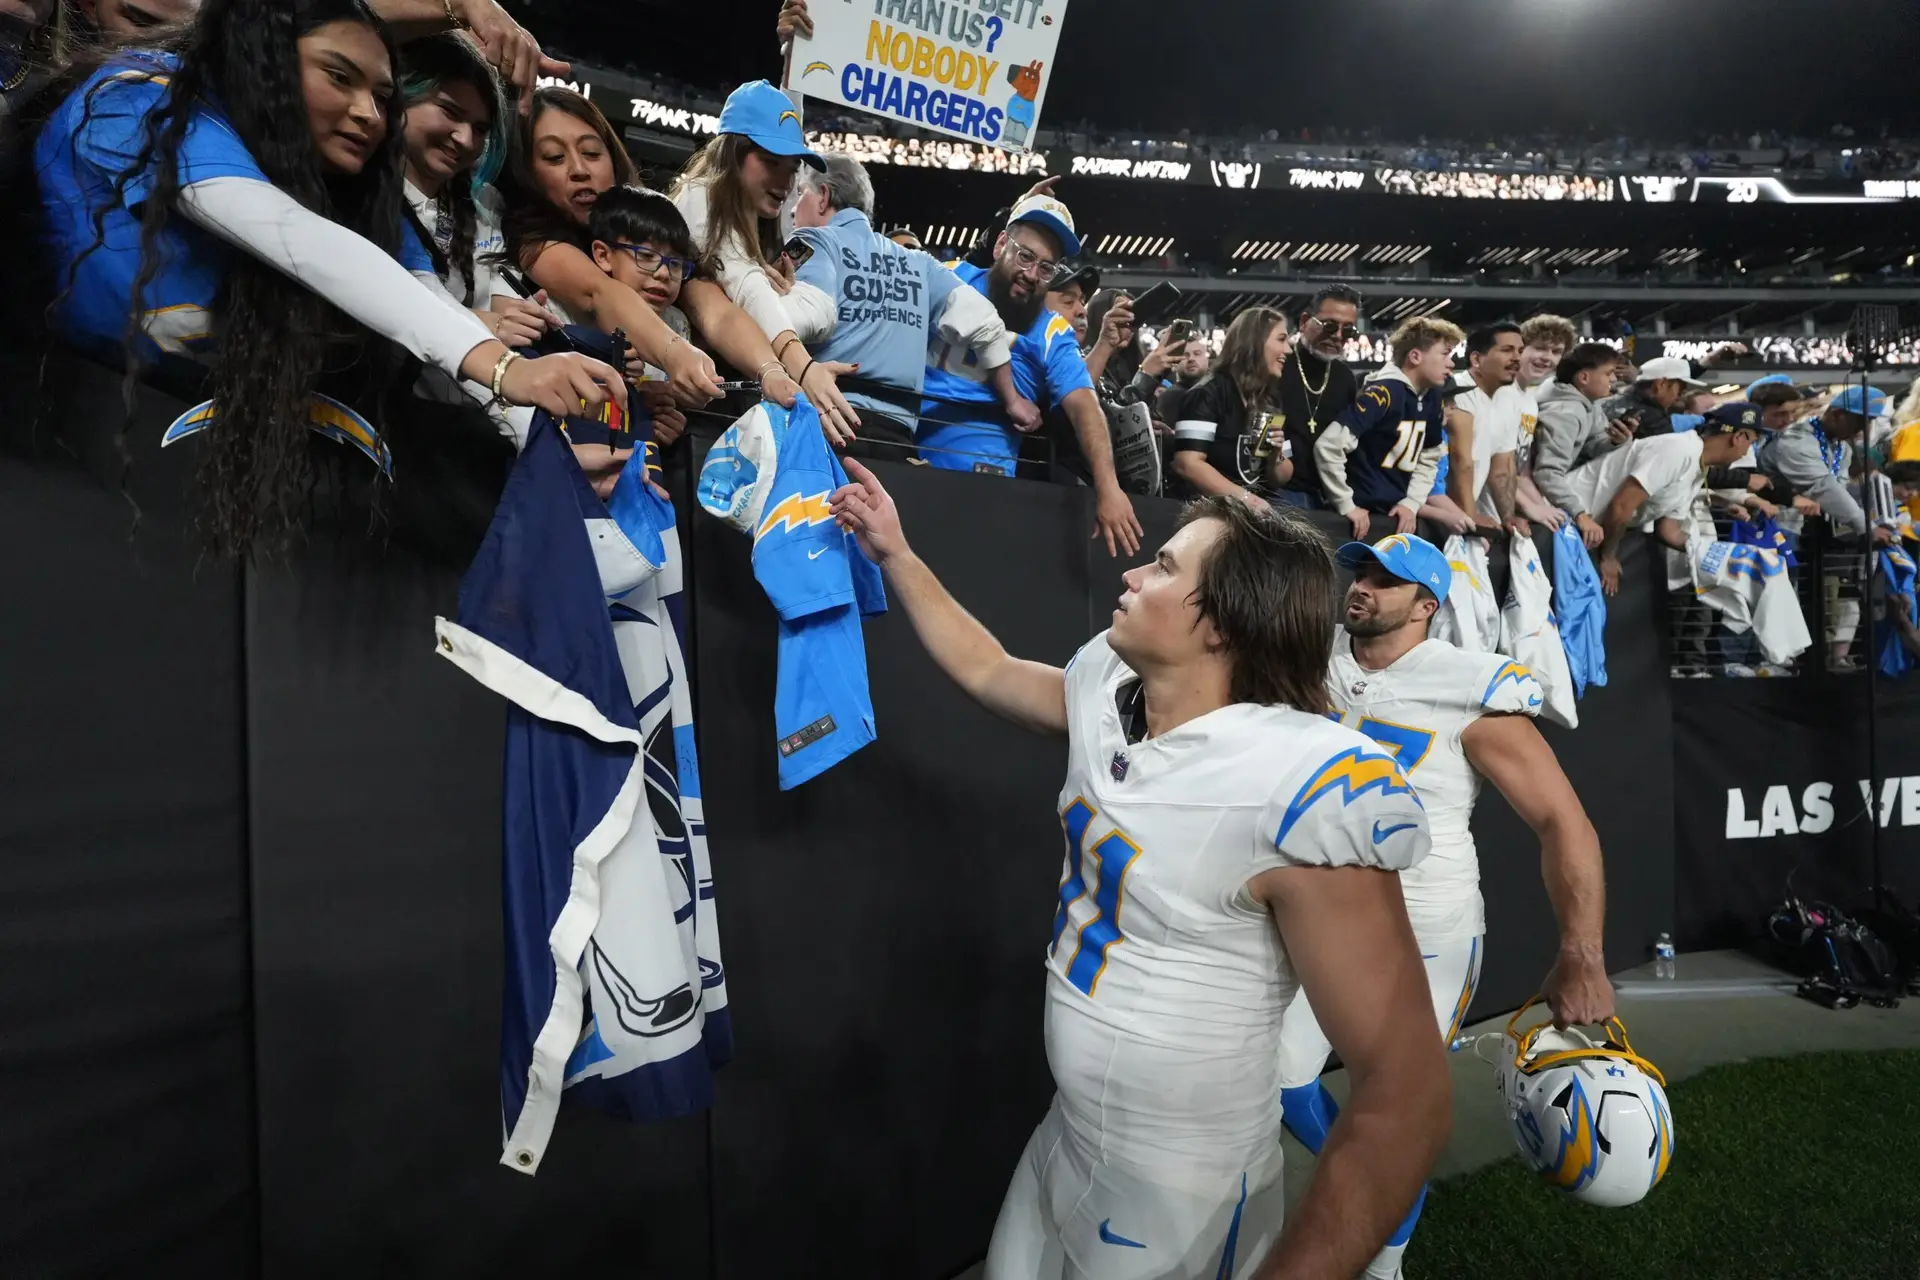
<point>1337,328</point>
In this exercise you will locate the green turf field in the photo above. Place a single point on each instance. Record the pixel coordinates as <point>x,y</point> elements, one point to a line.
<point>1783,1169</point>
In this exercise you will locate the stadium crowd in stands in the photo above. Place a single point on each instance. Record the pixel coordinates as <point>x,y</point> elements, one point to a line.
<point>516,242</point>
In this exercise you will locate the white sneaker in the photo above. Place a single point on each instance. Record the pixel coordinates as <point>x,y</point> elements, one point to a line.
<point>1386,1263</point>
<point>1740,671</point>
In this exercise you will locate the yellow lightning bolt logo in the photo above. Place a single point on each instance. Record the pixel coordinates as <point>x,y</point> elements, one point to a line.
<point>1509,671</point>
<point>1352,773</point>
<point>788,115</point>
<point>1578,1159</point>
<point>817,66</point>
<point>796,511</point>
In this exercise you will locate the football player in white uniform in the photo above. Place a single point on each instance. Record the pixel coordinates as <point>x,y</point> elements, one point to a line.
<point>1450,718</point>
<point>1227,844</point>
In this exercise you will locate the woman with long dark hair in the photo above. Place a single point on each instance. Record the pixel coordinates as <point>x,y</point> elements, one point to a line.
<point>564,158</point>
<point>271,127</point>
<point>1227,434</point>
<point>456,142</point>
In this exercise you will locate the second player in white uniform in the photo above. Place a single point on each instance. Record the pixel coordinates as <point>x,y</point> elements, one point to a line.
<point>1226,845</point>
<point>1449,717</point>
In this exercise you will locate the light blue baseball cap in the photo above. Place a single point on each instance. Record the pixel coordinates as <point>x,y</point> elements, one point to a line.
<point>766,116</point>
<point>1873,405</point>
<point>1409,558</point>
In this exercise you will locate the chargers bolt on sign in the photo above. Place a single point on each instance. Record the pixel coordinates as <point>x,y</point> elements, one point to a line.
<point>974,69</point>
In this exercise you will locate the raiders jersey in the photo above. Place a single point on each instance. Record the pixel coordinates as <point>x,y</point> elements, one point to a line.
<point>1166,982</point>
<point>1418,708</point>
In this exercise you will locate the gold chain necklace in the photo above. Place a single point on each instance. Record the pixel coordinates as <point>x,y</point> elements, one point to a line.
<point>17,79</point>
<point>1314,394</point>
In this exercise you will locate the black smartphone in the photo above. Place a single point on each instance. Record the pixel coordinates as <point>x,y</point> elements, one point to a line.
<point>1180,331</point>
<point>1156,305</point>
<point>798,251</point>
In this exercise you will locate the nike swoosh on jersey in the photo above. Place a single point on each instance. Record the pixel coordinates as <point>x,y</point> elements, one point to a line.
<point>1380,836</point>
<point>1107,1237</point>
<point>815,555</point>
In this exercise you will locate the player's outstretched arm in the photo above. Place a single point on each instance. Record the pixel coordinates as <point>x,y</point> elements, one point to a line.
<point>1030,694</point>
<point>1509,752</point>
<point>1348,938</point>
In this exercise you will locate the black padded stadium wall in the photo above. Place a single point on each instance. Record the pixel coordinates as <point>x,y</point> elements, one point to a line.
<point>124,1050</point>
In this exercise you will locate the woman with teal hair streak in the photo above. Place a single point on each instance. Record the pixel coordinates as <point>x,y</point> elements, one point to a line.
<point>456,140</point>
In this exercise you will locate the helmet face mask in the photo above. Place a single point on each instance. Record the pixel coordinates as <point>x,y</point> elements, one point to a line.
<point>1591,1116</point>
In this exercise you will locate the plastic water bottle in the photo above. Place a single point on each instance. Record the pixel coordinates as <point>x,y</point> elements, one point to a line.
<point>1663,957</point>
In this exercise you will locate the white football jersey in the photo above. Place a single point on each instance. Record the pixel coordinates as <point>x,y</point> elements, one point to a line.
<point>1418,708</point>
<point>1165,982</point>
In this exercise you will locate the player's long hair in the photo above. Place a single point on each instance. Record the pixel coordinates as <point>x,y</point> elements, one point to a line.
<point>730,214</point>
<point>271,335</point>
<point>449,58</point>
<point>532,222</point>
<point>1270,588</point>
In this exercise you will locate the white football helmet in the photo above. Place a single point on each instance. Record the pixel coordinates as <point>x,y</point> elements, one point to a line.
<point>1591,1115</point>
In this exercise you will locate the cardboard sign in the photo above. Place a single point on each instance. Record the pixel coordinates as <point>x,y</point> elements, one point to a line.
<point>973,69</point>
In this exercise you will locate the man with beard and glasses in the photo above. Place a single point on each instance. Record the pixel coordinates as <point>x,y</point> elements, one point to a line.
<point>1318,386</point>
<point>962,429</point>
<point>1449,719</point>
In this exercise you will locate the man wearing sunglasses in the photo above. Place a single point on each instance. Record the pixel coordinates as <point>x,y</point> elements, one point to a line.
<point>885,303</point>
<point>1318,385</point>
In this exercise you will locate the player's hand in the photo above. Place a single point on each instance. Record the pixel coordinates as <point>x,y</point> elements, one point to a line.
<point>794,20</point>
<point>1806,506</point>
<point>1025,414</point>
<point>1590,531</point>
<point>1405,520</point>
<point>562,384</point>
<point>1359,520</point>
<point>1113,519</point>
<point>691,375</point>
<point>508,46</point>
<point>822,386</point>
<point>1577,989</point>
<point>1610,575</point>
<point>1518,524</point>
<point>519,322</point>
<point>865,509</point>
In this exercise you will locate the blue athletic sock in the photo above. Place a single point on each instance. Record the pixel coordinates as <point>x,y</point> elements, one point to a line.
<point>1308,1112</point>
<point>1405,1231</point>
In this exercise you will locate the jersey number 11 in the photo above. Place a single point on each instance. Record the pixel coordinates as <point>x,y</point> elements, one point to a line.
<point>1107,863</point>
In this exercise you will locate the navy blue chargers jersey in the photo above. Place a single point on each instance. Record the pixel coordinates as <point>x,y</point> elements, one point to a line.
<point>1392,425</point>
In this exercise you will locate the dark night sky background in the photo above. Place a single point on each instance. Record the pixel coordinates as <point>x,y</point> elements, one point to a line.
<point>1667,69</point>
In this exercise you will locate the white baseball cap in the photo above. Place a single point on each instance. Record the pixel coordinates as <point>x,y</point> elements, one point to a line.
<point>1670,367</point>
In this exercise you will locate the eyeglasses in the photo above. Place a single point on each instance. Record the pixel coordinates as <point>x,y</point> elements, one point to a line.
<point>651,261</point>
<point>1337,328</point>
<point>1030,263</point>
